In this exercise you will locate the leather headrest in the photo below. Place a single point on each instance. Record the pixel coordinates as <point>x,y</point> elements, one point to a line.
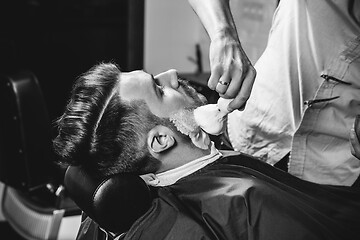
<point>114,203</point>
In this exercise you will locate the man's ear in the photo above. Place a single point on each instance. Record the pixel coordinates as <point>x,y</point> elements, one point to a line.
<point>160,139</point>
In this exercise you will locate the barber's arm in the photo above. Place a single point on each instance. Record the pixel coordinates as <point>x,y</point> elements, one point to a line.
<point>232,74</point>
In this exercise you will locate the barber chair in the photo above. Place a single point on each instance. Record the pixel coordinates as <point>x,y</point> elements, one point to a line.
<point>34,200</point>
<point>114,203</point>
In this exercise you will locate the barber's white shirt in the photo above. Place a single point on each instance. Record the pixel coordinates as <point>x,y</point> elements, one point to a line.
<point>308,39</point>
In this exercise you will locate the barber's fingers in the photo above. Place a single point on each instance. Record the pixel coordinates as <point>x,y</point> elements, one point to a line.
<point>235,83</point>
<point>228,82</point>
<point>216,73</point>
<point>223,83</point>
<point>243,92</point>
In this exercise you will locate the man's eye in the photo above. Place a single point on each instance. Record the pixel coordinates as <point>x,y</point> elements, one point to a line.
<point>161,89</point>
<point>159,86</point>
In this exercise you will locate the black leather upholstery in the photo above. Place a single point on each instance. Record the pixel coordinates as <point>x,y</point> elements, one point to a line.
<point>114,203</point>
<point>26,159</point>
<point>34,202</point>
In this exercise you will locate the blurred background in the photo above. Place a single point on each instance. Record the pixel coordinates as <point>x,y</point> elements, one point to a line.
<point>58,40</point>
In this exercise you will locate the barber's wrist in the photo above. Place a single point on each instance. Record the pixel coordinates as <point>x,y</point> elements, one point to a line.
<point>225,33</point>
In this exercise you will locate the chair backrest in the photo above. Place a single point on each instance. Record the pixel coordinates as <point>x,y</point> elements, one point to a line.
<point>114,203</point>
<point>26,159</point>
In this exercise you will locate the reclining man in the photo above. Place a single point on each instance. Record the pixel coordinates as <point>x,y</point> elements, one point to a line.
<point>122,122</point>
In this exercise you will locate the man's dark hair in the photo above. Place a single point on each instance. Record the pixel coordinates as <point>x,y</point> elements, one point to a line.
<point>102,133</point>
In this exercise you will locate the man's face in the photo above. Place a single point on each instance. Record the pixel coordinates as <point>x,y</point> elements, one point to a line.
<point>164,94</point>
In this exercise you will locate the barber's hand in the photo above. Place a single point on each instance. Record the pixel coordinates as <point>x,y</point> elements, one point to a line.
<point>354,138</point>
<point>232,74</point>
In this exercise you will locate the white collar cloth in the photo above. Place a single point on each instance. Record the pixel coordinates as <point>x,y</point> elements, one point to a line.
<point>172,176</point>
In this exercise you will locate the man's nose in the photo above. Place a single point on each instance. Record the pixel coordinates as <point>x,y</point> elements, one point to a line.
<point>169,78</point>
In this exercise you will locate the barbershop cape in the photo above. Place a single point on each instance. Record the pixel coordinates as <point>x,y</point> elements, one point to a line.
<point>239,197</point>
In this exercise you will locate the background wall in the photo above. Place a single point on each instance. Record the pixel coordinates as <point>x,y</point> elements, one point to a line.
<point>172,31</point>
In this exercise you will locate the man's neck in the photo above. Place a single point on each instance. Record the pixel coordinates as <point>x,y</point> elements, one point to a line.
<point>171,176</point>
<point>182,154</point>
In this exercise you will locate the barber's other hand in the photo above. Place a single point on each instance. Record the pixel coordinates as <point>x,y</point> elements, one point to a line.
<point>354,138</point>
<point>232,74</point>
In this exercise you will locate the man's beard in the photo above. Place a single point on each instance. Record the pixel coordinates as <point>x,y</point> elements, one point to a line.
<point>198,98</point>
<point>183,119</point>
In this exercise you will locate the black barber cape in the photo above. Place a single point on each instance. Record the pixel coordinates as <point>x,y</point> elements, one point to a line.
<point>239,197</point>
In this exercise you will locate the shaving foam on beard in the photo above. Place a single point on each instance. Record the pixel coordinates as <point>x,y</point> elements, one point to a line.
<point>185,123</point>
<point>211,117</point>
